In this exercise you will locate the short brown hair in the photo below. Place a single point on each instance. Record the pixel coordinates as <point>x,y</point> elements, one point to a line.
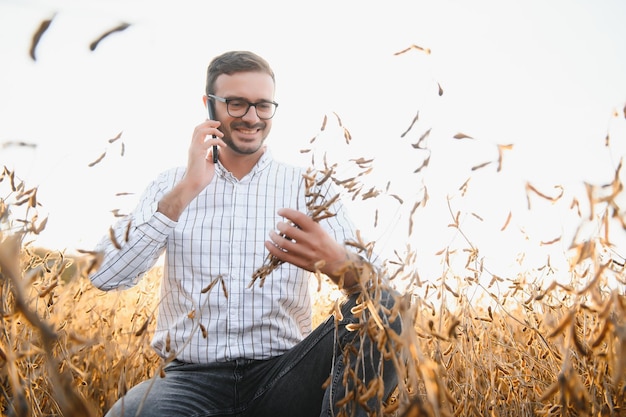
<point>233,62</point>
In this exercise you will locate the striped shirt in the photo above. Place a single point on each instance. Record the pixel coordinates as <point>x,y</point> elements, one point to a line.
<point>218,243</point>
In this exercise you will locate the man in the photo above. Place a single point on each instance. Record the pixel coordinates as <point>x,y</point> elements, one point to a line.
<point>235,348</point>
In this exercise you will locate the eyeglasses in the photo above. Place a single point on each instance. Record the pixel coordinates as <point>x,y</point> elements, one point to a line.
<point>238,107</point>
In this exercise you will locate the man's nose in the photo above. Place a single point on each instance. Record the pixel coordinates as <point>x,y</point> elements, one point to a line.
<point>251,114</point>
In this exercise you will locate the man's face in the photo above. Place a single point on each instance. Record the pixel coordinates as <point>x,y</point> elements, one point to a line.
<point>244,135</point>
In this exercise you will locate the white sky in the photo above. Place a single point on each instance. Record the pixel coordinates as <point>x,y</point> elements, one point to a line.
<point>543,76</point>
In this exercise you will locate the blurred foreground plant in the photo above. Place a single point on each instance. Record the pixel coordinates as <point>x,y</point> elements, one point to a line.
<point>54,328</point>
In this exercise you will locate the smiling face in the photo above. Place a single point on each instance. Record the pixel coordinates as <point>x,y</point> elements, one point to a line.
<point>244,135</point>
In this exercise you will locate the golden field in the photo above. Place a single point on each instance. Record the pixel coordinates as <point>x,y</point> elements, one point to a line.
<point>539,340</point>
<point>535,347</point>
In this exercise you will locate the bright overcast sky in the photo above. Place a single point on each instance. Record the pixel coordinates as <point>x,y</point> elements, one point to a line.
<point>545,76</point>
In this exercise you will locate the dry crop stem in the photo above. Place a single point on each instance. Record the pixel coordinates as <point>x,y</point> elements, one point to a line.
<point>540,348</point>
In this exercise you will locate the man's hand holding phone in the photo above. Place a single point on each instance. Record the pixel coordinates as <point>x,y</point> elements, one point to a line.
<point>200,165</point>
<point>200,170</point>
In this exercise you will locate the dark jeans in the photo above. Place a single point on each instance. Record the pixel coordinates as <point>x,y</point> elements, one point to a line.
<point>288,385</point>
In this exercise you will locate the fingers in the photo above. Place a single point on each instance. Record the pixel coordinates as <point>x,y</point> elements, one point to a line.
<point>304,243</point>
<point>302,248</point>
<point>207,130</point>
<point>287,236</point>
<point>289,230</point>
<point>299,240</point>
<point>205,137</point>
<point>287,250</point>
<point>283,242</point>
<point>209,145</point>
<point>302,220</point>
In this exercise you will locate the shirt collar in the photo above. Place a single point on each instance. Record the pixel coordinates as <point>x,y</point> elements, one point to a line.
<point>264,161</point>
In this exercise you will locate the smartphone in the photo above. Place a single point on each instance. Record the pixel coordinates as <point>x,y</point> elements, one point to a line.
<point>211,109</point>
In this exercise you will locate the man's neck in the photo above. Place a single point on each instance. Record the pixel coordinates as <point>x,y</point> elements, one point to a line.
<point>241,165</point>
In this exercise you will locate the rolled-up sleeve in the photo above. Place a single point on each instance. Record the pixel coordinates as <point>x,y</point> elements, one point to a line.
<point>135,242</point>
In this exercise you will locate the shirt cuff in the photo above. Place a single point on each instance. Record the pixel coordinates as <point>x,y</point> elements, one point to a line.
<point>154,224</point>
<point>146,213</point>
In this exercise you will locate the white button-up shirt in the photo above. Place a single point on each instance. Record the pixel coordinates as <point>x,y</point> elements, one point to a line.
<point>219,240</point>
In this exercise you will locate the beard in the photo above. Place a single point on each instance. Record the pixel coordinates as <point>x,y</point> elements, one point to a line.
<point>243,150</point>
<point>247,148</point>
